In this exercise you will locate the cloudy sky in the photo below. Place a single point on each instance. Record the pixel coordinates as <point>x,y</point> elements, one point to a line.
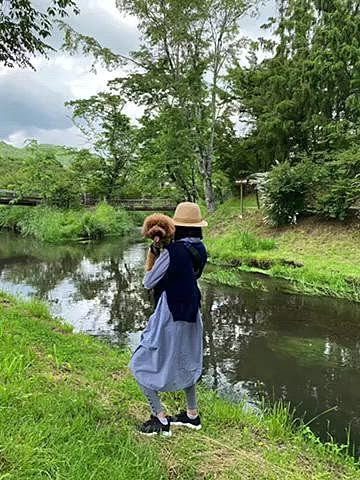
<point>32,102</point>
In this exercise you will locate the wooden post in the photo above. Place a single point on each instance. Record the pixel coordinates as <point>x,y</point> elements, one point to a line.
<point>257,198</point>
<point>242,199</point>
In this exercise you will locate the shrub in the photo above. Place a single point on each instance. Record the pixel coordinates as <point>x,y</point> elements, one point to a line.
<point>54,225</point>
<point>104,220</point>
<point>339,186</point>
<point>285,191</point>
<point>328,184</point>
<point>11,216</point>
<point>64,195</point>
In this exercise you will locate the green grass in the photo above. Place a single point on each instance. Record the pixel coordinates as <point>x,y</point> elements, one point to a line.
<point>55,226</point>
<point>316,256</point>
<point>69,407</point>
<point>244,242</point>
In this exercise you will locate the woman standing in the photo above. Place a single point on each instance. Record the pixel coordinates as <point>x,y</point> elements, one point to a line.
<point>169,356</point>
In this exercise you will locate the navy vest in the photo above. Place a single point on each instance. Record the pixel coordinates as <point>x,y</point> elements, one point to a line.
<point>180,280</point>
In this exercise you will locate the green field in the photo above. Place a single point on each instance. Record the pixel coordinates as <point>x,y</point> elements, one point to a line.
<point>317,256</point>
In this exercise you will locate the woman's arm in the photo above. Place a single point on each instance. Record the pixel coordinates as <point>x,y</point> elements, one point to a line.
<point>158,271</point>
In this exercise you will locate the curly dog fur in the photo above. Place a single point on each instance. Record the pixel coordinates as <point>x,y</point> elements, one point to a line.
<point>161,230</point>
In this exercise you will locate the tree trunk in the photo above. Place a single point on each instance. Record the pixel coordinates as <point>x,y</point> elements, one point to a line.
<point>193,183</point>
<point>205,154</point>
<point>209,192</point>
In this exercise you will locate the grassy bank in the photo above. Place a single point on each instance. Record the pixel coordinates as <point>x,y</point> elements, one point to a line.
<point>56,226</point>
<point>69,406</point>
<point>316,256</point>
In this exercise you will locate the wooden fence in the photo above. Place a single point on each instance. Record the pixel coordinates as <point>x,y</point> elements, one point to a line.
<point>9,197</point>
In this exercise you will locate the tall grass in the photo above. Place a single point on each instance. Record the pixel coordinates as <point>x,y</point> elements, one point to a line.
<point>55,226</point>
<point>314,281</point>
<point>234,244</point>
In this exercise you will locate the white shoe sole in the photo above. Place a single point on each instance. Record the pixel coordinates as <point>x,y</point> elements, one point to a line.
<point>153,434</point>
<point>188,425</point>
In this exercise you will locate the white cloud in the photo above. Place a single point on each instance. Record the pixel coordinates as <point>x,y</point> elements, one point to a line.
<point>53,136</point>
<point>32,103</point>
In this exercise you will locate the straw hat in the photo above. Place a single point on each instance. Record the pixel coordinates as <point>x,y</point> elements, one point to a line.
<point>188,214</point>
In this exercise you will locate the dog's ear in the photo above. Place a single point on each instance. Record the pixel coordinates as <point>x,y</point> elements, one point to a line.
<point>150,260</point>
<point>170,228</point>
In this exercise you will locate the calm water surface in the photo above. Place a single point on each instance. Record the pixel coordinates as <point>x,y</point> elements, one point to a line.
<point>258,342</point>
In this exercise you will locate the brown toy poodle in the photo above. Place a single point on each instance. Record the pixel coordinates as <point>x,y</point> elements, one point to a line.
<point>161,230</point>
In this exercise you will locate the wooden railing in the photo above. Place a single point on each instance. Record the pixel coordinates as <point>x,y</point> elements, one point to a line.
<point>9,197</point>
<point>137,204</point>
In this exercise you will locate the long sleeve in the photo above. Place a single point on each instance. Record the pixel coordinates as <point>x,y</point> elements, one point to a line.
<point>158,271</point>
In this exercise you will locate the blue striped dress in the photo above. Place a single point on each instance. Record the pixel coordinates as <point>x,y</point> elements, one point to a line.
<point>169,356</point>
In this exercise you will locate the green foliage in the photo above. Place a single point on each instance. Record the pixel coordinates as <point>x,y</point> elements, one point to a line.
<point>104,220</point>
<point>328,187</point>
<point>14,160</point>
<point>60,175</point>
<point>285,190</point>
<point>166,155</point>
<point>87,171</point>
<point>304,97</point>
<point>339,186</point>
<point>300,104</point>
<point>11,160</point>
<point>41,172</point>
<point>113,137</point>
<point>186,45</point>
<point>303,101</point>
<point>10,217</point>
<point>298,257</point>
<point>56,226</point>
<point>24,29</point>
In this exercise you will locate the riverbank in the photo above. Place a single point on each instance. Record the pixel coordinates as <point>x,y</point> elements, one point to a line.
<point>55,225</point>
<point>317,257</point>
<point>69,408</point>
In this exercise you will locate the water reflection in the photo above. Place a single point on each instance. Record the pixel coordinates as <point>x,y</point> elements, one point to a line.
<point>258,343</point>
<point>300,349</point>
<point>96,287</point>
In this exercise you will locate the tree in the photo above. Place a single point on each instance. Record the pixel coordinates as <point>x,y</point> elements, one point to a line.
<point>42,173</point>
<point>187,46</point>
<point>167,153</point>
<point>111,134</point>
<point>87,172</point>
<point>305,97</point>
<point>24,29</point>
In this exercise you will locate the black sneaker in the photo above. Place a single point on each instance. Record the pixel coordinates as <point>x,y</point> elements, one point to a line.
<point>155,427</point>
<point>182,420</point>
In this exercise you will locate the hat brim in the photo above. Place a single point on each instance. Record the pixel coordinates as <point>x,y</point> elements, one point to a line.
<point>203,223</point>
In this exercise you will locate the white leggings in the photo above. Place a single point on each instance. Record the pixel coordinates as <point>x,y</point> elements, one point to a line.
<point>155,402</point>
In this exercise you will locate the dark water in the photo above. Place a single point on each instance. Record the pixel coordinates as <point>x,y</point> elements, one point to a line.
<point>258,342</point>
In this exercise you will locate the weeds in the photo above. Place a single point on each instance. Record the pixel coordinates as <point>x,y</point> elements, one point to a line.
<point>56,226</point>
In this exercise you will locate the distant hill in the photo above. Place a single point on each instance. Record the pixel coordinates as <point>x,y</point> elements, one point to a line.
<point>12,158</point>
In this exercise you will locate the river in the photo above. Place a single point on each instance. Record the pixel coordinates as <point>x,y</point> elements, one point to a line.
<point>260,342</point>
